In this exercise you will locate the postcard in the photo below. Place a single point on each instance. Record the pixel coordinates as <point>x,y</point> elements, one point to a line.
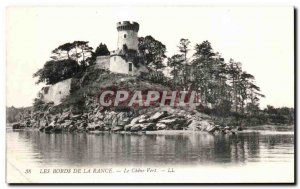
<point>155,95</point>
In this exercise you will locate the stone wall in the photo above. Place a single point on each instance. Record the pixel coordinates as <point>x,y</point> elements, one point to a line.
<point>102,62</point>
<point>119,65</point>
<point>55,93</point>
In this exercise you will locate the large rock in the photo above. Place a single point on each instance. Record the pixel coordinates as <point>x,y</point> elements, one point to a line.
<point>57,129</point>
<point>203,125</point>
<point>177,123</point>
<point>48,128</point>
<point>17,126</point>
<point>194,125</point>
<point>134,120</point>
<point>65,116</point>
<point>41,128</point>
<point>52,123</point>
<point>157,116</point>
<point>67,123</point>
<point>76,117</point>
<point>143,118</point>
<point>147,126</point>
<point>90,127</point>
<point>81,129</point>
<point>239,128</point>
<point>99,116</point>
<point>118,128</point>
<point>123,119</point>
<point>99,125</point>
<point>127,127</point>
<point>161,126</point>
<point>110,118</point>
<point>136,127</point>
<point>72,128</point>
<point>210,128</point>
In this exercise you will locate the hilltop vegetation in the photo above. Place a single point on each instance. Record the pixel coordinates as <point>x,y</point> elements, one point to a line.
<point>228,93</point>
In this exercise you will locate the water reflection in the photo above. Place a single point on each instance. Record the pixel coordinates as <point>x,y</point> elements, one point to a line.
<point>133,149</point>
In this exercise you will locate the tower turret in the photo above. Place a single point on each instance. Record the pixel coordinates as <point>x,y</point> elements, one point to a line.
<point>128,34</point>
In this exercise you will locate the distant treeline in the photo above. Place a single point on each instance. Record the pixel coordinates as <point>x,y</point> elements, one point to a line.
<point>16,114</point>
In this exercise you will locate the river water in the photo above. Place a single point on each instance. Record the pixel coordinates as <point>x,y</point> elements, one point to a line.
<point>37,149</point>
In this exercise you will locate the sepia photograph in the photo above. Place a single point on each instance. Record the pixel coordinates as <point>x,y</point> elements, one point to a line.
<point>150,95</point>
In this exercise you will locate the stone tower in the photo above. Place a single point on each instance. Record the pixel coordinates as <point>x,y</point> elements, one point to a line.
<point>128,34</point>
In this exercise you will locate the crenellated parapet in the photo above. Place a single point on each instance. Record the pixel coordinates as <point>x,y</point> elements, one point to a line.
<point>126,25</point>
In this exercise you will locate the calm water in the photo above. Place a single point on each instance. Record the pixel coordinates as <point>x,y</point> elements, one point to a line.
<point>84,149</point>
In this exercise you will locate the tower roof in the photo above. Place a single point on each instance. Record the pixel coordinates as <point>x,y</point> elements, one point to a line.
<point>127,25</point>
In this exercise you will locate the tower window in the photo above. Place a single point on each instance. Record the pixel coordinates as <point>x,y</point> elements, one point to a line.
<point>114,58</point>
<point>130,67</point>
<point>124,35</point>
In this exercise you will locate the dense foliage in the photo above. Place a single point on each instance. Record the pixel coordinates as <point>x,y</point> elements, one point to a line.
<point>57,70</point>
<point>225,90</point>
<point>68,60</point>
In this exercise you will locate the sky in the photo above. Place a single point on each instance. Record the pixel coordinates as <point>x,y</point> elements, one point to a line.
<point>261,38</point>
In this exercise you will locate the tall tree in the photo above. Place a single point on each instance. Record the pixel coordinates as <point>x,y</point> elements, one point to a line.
<point>79,51</point>
<point>203,70</point>
<point>83,51</point>
<point>234,74</point>
<point>176,63</point>
<point>184,48</point>
<point>63,51</point>
<point>152,51</point>
<point>101,50</point>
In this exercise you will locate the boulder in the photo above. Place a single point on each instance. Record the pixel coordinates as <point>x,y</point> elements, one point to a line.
<point>75,117</point>
<point>136,127</point>
<point>157,116</point>
<point>57,129</point>
<point>41,128</point>
<point>168,121</point>
<point>227,128</point>
<point>118,128</point>
<point>80,129</point>
<point>147,126</point>
<point>239,128</point>
<point>194,125</point>
<point>67,123</point>
<point>99,116</point>
<point>134,120</point>
<point>48,128</point>
<point>211,128</point>
<point>114,121</point>
<point>28,123</point>
<point>72,128</point>
<point>110,118</point>
<point>84,116</point>
<point>105,128</point>
<point>90,127</point>
<point>97,127</point>
<point>161,126</point>
<point>143,119</point>
<point>65,115</point>
<point>83,124</point>
<point>176,123</point>
<point>52,123</point>
<point>43,123</point>
<point>127,127</point>
<point>16,125</point>
<point>123,119</point>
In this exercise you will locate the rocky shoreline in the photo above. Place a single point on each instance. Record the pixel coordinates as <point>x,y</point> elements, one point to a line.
<point>155,119</point>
